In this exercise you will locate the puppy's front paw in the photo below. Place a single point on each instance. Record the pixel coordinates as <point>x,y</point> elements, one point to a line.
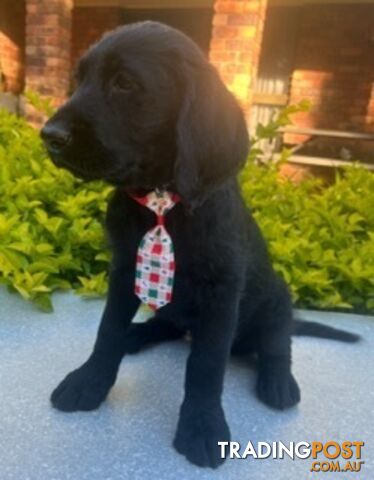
<point>198,434</point>
<point>83,389</point>
<point>278,391</point>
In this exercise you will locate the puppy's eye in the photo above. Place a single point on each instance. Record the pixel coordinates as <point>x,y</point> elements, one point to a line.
<point>125,83</point>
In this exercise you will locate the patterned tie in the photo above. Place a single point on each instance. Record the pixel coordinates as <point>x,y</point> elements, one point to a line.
<point>155,265</point>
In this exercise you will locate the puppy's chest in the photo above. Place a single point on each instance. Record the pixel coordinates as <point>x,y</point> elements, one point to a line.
<point>197,244</point>
<point>194,240</point>
<point>200,241</point>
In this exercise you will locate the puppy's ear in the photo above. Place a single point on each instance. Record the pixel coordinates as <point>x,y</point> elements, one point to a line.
<point>212,137</point>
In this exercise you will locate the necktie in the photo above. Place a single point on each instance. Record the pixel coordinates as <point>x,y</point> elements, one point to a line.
<point>155,264</point>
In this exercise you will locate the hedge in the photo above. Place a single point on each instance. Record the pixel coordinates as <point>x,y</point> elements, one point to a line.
<point>321,238</point>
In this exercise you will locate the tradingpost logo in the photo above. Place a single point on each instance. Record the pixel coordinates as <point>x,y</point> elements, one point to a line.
<point>330,456</point>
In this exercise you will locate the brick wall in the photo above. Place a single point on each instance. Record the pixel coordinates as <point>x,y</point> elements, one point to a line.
<point>12,44</point>
<point>334,66</point>
<point>48,46</point>
<point>89,24</point>
<point>196,22</point>
<point>236,43</point>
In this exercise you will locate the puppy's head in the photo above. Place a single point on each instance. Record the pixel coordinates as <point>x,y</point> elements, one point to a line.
<point>149,111</point>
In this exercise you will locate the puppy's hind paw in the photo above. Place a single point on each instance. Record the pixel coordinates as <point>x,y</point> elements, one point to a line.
<point>278,392</point>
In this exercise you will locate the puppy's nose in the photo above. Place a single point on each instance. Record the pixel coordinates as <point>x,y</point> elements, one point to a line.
<point>56,137</point>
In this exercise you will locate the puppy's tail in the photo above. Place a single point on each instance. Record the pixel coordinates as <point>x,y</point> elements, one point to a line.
<point>315,329</point>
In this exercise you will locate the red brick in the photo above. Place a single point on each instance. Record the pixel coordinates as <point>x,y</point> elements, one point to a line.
<point>256,6</point>
<point>246,57</point>
<point>220,19</point>
<point>219,44</point>
<point>229,7</point>
<point>225,32</point>
<point>223,56</point>
<point>242,19</point>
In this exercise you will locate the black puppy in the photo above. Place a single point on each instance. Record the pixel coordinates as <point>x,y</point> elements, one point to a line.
<point>150,112</point>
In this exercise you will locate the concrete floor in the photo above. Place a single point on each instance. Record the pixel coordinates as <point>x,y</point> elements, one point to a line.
<point>130,436</point>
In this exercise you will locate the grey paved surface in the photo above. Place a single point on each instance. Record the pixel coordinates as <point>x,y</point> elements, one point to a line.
<point>130,436</point>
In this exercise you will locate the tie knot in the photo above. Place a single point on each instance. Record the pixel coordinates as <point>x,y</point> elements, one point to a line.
<point>160,219</point>
<point>159,201</point>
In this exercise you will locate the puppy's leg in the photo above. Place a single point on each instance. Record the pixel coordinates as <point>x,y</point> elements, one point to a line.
<point>155,330</point>
<point>202,422</point>
<point>276,385</point>
<point>87,387</point>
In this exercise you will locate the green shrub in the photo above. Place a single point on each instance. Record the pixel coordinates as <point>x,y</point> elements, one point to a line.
<point>321,238</point>
<point>51,234</point>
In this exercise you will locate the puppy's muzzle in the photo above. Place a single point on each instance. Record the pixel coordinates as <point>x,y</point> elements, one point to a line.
<point>56,137</point>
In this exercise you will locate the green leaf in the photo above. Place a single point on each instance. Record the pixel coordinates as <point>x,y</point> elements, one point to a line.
<point>44,303</point>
